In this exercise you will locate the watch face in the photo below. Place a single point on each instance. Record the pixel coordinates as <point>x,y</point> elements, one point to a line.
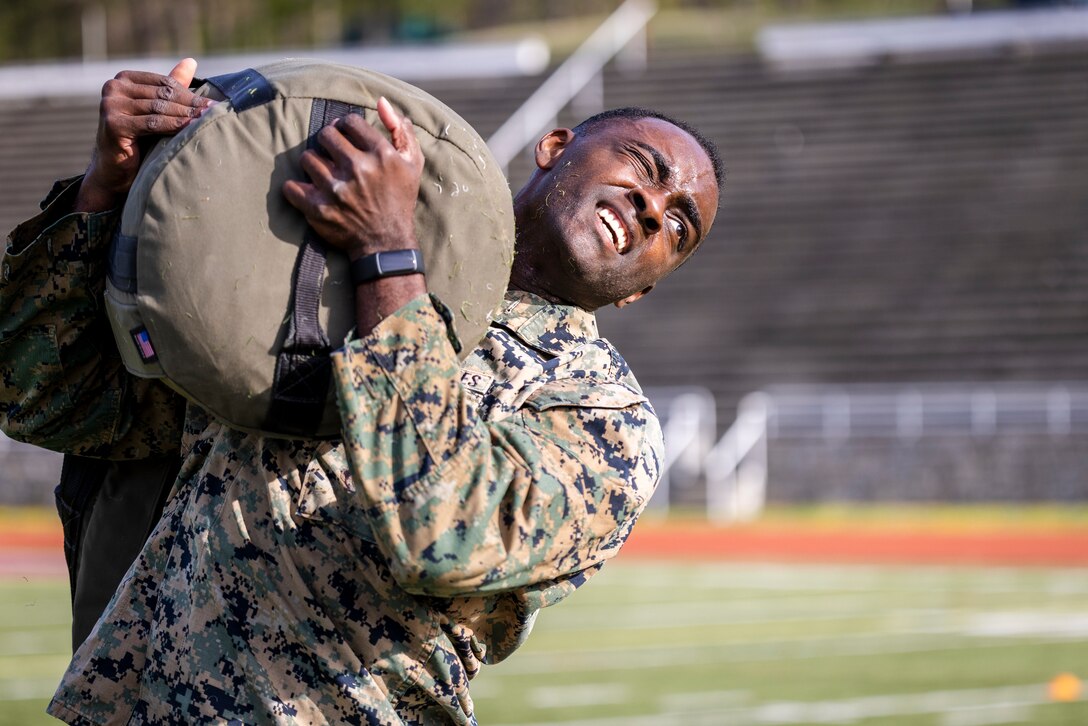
<point>386,264</point>
<point>395,262</point>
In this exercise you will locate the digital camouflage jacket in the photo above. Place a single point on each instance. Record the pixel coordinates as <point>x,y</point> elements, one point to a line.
<point>362,581</point>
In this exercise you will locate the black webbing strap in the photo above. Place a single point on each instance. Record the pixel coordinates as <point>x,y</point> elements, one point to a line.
<point>121,262</point>
<point>303,369</point>
<point>300,387</point>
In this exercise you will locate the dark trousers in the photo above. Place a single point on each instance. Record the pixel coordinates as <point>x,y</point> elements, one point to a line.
<point>107,509</point>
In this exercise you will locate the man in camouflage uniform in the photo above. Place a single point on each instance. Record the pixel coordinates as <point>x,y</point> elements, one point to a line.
<point>366,580</point>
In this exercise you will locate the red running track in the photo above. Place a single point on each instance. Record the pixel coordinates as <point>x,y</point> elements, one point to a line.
<point>39,549</point>
<point>781,544</point>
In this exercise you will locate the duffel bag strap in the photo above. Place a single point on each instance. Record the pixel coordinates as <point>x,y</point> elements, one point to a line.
<point>303,375</point>
<point>300,388</point>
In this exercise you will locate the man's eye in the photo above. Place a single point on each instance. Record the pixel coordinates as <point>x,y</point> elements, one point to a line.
<point>643,165</point>
<point>681,233</point>
<point>647,167</point>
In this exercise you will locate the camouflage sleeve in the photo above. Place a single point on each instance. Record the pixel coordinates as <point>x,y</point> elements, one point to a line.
<point>460,505</point>
<point>64,386</point>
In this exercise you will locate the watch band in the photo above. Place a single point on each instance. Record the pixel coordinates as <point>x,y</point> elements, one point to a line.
<point>386,264</point>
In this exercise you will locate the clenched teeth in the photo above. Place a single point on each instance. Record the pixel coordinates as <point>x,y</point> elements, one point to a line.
<point>615,227</point>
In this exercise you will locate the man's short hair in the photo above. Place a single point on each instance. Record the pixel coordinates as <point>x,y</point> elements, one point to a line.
<point>634,113</point>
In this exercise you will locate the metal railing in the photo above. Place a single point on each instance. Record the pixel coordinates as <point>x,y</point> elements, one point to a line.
<point>574,76</point>
<point>689,426</point>
<point>736,467</point>
<point>910,412</point>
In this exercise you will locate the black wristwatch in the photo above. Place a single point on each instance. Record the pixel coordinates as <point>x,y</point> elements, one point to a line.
<point>386,264</point>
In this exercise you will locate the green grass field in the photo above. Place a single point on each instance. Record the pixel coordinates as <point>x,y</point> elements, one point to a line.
<point>35,645</point>
<point>730,644</point>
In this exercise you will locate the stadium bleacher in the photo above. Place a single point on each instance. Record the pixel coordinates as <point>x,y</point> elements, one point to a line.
<point>50,137</point>
<point>899,223</point>
<point>887,223</point>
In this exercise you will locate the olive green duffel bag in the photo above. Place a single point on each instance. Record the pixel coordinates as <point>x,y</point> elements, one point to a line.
<point>218,286</point>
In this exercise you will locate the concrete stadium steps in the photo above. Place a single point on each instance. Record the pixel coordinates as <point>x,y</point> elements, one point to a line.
<point>40,141</point>
<point>894,223</point>
<point>484,103</point>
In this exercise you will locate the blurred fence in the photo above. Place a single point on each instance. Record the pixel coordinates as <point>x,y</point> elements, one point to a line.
<point>938,442</point>
<point>27,473</point>
<point>941,443</point>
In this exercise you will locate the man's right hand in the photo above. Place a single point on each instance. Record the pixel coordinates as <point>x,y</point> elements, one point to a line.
<point>135,104</point>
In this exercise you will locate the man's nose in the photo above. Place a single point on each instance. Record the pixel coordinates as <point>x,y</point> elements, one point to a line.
<point>649,208</point>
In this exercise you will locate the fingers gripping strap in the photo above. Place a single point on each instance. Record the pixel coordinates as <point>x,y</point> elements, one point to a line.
<point>300,387</point>
<point>324,112</point>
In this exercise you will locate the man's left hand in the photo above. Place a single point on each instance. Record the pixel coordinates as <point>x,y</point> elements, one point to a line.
<point>362,195</point>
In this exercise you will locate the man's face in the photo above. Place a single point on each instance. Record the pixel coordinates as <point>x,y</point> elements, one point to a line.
<point>616,209</point>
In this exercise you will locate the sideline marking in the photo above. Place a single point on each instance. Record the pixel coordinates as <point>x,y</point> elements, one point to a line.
<point>1024,624</point>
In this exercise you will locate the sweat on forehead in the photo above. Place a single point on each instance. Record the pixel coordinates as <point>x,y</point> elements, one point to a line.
<point>635,113</point>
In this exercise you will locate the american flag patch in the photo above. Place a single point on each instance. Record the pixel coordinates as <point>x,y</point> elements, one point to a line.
<point>143,344</point>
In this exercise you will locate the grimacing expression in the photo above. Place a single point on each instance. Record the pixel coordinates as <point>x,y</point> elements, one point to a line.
<point>618,208</point>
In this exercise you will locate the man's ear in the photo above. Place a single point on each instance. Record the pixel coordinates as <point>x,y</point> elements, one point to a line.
<point>636,296</point>
<point>551,146</point>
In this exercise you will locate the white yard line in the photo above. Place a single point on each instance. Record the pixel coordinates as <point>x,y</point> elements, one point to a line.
<point>32,642</point>
<point>27,689</point>
<point>1001,703</point>
<point>988,715</point>
<point>665,616</point>
<point>1027,624</point>
<point>817,577</point>
<point>703,700</point>
<point>659,595</point>
<point>742,577</point>
<point>583,694</point>
<point>855,709</point>
<point>643,657</point>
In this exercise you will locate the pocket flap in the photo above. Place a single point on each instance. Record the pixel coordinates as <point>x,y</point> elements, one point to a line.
<point>583,394</point>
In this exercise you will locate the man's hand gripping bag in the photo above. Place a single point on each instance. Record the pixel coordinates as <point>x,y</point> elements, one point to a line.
<point>217,285</point>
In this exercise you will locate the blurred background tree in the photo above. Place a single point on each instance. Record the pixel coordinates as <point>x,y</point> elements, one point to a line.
<point>95,29</point>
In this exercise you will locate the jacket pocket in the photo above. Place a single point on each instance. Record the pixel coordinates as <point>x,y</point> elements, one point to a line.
<point>583,393</point>
<point>328,497</point>
<point>37,396</point>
